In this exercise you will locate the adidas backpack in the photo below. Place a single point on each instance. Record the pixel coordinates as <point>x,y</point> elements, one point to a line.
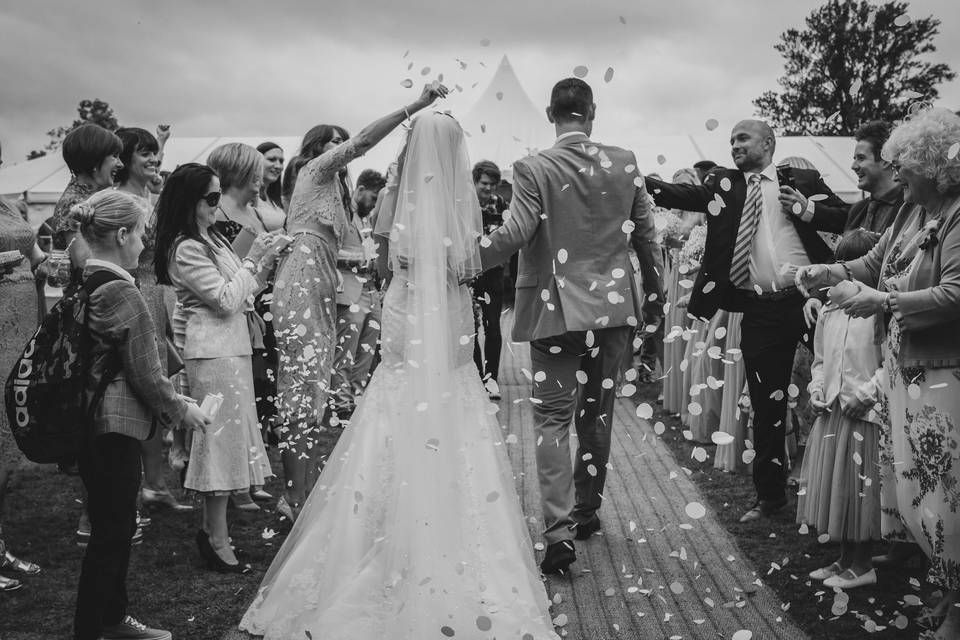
<point>45,398</point>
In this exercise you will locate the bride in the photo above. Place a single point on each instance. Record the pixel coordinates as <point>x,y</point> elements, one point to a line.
<point>414,529</point>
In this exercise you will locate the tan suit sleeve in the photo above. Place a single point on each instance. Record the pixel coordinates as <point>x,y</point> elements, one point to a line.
<point>643,239</point>
<point>517,230</point>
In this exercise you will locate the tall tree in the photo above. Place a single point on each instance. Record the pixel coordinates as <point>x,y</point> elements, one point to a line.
<point>855,61</point>
<point>94,111</point>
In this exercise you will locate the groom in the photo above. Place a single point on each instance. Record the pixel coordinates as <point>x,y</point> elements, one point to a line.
<point>577,209</point>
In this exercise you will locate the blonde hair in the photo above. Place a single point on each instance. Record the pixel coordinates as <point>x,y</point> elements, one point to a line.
<point>102,214</point>
<point>922,144</point>
<point>686,176</point>
<point>236,164</point>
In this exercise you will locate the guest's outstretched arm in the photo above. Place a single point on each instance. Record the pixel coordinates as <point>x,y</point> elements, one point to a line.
<point>688,197</point>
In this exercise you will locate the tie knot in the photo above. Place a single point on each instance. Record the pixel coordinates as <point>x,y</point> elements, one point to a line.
<point>755,178</point>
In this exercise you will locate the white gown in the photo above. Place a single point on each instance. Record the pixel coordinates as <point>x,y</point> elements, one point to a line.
<point>414,530</point>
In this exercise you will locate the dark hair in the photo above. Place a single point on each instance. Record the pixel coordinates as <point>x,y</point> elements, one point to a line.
<point>570,100</point>
<point>289,178</point>
<point>274,190</point>
<point>86,147</point>
<point>486,167</point>
<point>876,133</point>
<point>134,139</point>
<point>704,165</point>
<point>312,146</point>
<point>855,244</point>
<point>176,214</point>
<point>371,180</point>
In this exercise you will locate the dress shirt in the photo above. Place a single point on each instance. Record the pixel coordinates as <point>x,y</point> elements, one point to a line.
<point>776,241</point>
<point>846,360</point>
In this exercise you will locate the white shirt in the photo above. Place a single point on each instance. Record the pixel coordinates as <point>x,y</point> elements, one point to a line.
<point>846,360</point>
<point>776,241</point>
<point>94,263</point>
<point>570,134</point>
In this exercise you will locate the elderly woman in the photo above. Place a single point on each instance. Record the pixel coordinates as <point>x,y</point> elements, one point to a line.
<point>911,283</point>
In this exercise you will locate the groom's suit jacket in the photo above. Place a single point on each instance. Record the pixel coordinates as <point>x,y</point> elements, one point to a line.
<point>576,211</point>
<point>830,214</point>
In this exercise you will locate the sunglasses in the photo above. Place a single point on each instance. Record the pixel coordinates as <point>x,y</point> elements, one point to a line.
<point>212,199</point>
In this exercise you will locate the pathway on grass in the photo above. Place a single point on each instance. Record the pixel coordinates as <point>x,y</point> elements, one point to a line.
<point>655,572</point>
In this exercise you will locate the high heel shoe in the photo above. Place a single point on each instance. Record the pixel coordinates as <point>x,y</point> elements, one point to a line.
<point>162,499</point>
<point>244,502</point>
<point>214,561</point>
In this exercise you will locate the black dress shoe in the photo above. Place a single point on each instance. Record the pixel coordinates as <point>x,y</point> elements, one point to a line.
<point>559,557</point>
<point>585,530</point>
<point>764,509</point>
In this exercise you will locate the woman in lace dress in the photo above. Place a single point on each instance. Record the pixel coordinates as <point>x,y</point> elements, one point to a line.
<point>911,283</point>
<point>415,530</point>
<point>304,297</point>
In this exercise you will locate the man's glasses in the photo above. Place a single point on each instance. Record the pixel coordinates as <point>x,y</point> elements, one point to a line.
<point>212,199</point>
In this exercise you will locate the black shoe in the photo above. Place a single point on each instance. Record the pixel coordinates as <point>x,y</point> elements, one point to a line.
<point>764,509</point>
<point>585,530</point>
<point>214,561</point>
<point>559,557</point>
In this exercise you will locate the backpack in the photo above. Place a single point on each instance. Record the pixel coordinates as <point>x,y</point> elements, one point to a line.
<point>45,394</point>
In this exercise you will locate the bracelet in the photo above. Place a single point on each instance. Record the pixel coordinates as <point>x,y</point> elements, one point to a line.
<point>846,270</point>
<point>406,113</point>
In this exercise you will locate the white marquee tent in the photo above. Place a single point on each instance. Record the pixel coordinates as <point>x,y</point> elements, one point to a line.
<point>502,126</point>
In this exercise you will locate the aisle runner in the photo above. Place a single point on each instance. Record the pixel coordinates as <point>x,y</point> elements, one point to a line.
<point>657,572</point>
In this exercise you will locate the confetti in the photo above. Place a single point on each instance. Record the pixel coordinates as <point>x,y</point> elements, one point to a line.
<point>694,408</point>
<point>720,438</point>
<point>485,42</point>
<point>901,20</point>
<point>953,151</point>
<point>748,456</point>
<point>608,75</point>
<point>407,83</point>
<point>581,377</point>
<point>580,71</point>
<point>699,454</point>
<point>695,510</point>
<point>659,428</point>
<point>711,124</point>
<point>562,256</point>
<point>743,634</point>
<point>855,87</point>
<point>645,412</point>
<point>661,159</point>
<point>628,226</point>
<point>484,623</point>
<point>424,71</point>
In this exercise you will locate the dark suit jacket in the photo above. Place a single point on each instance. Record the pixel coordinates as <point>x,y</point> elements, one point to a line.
<point>888,204</point>
<point>722,229</point>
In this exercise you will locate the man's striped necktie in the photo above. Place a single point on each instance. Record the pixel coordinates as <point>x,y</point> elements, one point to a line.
<point>749,220</point>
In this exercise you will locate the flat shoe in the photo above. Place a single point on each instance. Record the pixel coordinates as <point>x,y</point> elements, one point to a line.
<point>849,580</point>
<point>260,494</point>
<point>826,572</point>
<point>9,584</point>
<point>8,560</point>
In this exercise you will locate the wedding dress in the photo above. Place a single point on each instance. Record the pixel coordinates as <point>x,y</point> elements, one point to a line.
<point>414,529</point>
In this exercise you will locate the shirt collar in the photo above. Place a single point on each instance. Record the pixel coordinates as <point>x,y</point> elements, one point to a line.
<point>570,134</point>
<point>770,173</point>
<point>109,266</point>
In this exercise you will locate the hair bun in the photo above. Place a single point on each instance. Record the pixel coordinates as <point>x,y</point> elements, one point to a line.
<point>82,213</point>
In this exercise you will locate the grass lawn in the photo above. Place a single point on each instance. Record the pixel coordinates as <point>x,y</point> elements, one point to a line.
<point>170,589</point>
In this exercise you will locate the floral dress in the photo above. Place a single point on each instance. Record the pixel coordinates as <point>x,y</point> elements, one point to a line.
<point>920,446</point>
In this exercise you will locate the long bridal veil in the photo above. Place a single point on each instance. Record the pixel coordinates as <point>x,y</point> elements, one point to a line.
<point>414,529</point>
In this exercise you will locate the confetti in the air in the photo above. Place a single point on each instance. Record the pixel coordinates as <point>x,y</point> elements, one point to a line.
<point>407,83</point>
<point>711,124</point>
<point>580,71</point>
<point>608,75</point>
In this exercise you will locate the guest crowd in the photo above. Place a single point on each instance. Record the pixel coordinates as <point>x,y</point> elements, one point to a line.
<point>252,284</point>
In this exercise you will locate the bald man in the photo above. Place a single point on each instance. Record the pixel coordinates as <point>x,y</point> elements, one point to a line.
<point>756,228</point>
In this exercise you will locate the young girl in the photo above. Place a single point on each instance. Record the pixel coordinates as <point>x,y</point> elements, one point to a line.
<point>840,476</point>
<point>112,226</point>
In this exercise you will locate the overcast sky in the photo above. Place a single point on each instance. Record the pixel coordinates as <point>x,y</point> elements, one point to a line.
<point>276,67</point>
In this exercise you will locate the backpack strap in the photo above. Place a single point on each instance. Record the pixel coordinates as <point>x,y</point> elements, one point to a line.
<point>113,366</point>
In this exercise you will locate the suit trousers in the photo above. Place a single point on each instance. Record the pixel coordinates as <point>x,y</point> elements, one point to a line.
<point>488,292</point>
<point>771,331</point>
<point>110,469</point>
<point>572,493</point>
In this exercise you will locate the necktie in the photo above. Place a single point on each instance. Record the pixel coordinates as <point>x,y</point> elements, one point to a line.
<point>872,207</point>
<point>749,219</point>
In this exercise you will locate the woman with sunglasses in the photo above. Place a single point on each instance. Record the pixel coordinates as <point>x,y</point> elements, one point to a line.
<point>304,297</point>
<point>215,290</point>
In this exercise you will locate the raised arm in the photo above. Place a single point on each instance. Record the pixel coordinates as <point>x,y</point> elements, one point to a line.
<point>689,197</point>
<point>519,228</point>
<point>337,158</point>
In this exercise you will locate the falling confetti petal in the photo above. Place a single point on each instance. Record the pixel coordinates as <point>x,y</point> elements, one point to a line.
<point>406,84</point>
<point>484,623</point>
<point>485,42</point>
<point>499,95</point>
<point>711,124</point>
<point>447,631</point>
<point>562,256</point>
<point>623,20</point>
<point>695,510</point>
<point>694,408</point>
<point>424,71</point>
<point>628,226</point>
<point>580,71</point>
<point>748,456</point>
<point>608,76</point>
<point>953,151</point>
<point>699,454</point>
<point>901,20</point>
<point>855,87</point>
<point>661,159</point>
<point>721,438</point>
<point>659,428</point>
